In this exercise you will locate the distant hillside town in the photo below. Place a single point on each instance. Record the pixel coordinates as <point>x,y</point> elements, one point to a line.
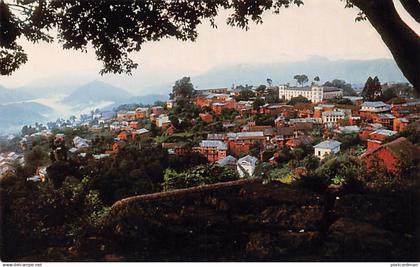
<point>240,127</point>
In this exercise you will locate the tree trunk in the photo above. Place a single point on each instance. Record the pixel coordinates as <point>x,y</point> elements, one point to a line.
<point>413,8</point>
<point>401,40</point>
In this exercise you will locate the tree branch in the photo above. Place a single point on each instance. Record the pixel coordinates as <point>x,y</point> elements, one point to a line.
<point>401,40</point>
<point>413,8</point>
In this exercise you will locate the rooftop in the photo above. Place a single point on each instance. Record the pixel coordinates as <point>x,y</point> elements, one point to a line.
<point>249,159</point>
<point>141,131</point>
<point>386,116</point>
<point>374,104</point>
<point>332,113</point>
<point>229,160</point>
<point>401,148</point>
<point>328,144</point>
<point>349,129</point>
<point>213,143</point>
<point>384,132</point>
<point>353,98</point>
<point>243,135</point>
<point>216,136</point>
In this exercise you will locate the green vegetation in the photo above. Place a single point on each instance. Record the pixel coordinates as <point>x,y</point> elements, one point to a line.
<point>183,88</point>
<point>245,94</point>
<point>40,216</point>
<point>347,88</point>
<point>372,90</point>
<point>298,99</point>
<point>301,79</point>
<point>199,175</point>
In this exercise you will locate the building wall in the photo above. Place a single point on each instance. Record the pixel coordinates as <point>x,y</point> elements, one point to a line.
<point>332,94</point>
<point>371,145</point>
<point>315,94</point>
<point>384,158</point>
<point>238,148</point>
<point>247,167</point>
<point>323,152</point>
<point>211,153</point>
<point>332,118</point>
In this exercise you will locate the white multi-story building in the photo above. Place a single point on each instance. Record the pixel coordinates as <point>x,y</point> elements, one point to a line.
<point>332,116</point>
<point>314,93</point>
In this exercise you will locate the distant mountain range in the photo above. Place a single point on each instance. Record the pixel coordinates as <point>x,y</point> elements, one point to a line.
<point>145,100</point>
<point>18,108</point>
<point>352,71</point>
<point>8,95</point>
<point>96,92</point>
<point>14,115</point>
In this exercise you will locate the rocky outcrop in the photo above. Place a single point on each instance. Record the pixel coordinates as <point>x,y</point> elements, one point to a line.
<point>250,221</point>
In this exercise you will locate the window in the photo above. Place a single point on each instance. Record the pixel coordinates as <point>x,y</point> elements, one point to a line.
<point>319,153</point>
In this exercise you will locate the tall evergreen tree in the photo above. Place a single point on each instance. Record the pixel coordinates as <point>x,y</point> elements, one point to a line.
<point>372,90</point>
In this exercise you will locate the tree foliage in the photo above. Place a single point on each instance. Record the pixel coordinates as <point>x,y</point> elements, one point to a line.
<point>37,217</point>
<point>183,88</point>
<point>245,94</point>
<point>258,103</point>
<point>301,79</point>
<point>372,90</point>
<point>298,99</point>
<point>347,88</point>
<point>115,29</point>
<point>199,175</point>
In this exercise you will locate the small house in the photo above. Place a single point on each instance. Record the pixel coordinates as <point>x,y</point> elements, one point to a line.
<point>327,147</point>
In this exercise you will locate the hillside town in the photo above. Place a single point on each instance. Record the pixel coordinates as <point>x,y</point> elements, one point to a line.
<point>306,148</point>
<point>243,128</point>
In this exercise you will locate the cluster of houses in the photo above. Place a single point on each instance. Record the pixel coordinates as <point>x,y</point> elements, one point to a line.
<point>374,122</point>
<point>294,125</point>
<point>8,161</point>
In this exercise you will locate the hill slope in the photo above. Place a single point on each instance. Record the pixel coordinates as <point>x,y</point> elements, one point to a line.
<point>8,95</point>
<point>95,92</point>
<point>14,116</point>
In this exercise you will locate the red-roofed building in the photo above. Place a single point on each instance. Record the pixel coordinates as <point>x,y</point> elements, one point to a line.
<point>201,102</point>
<point>393,156</point>
<point>142,113</point>
<point>178,149</point>
<point>399,124</point>
<point>123,135</point>
<point>377,138</point>
<point>206,117</point>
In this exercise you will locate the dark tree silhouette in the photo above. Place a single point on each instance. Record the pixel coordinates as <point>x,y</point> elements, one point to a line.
<point>116,28</point>
<point>372,90</point>
<point>182,88</point>
<point>301,79</point>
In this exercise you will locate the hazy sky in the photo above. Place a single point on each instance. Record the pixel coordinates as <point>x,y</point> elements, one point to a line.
<point>320,27</point>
